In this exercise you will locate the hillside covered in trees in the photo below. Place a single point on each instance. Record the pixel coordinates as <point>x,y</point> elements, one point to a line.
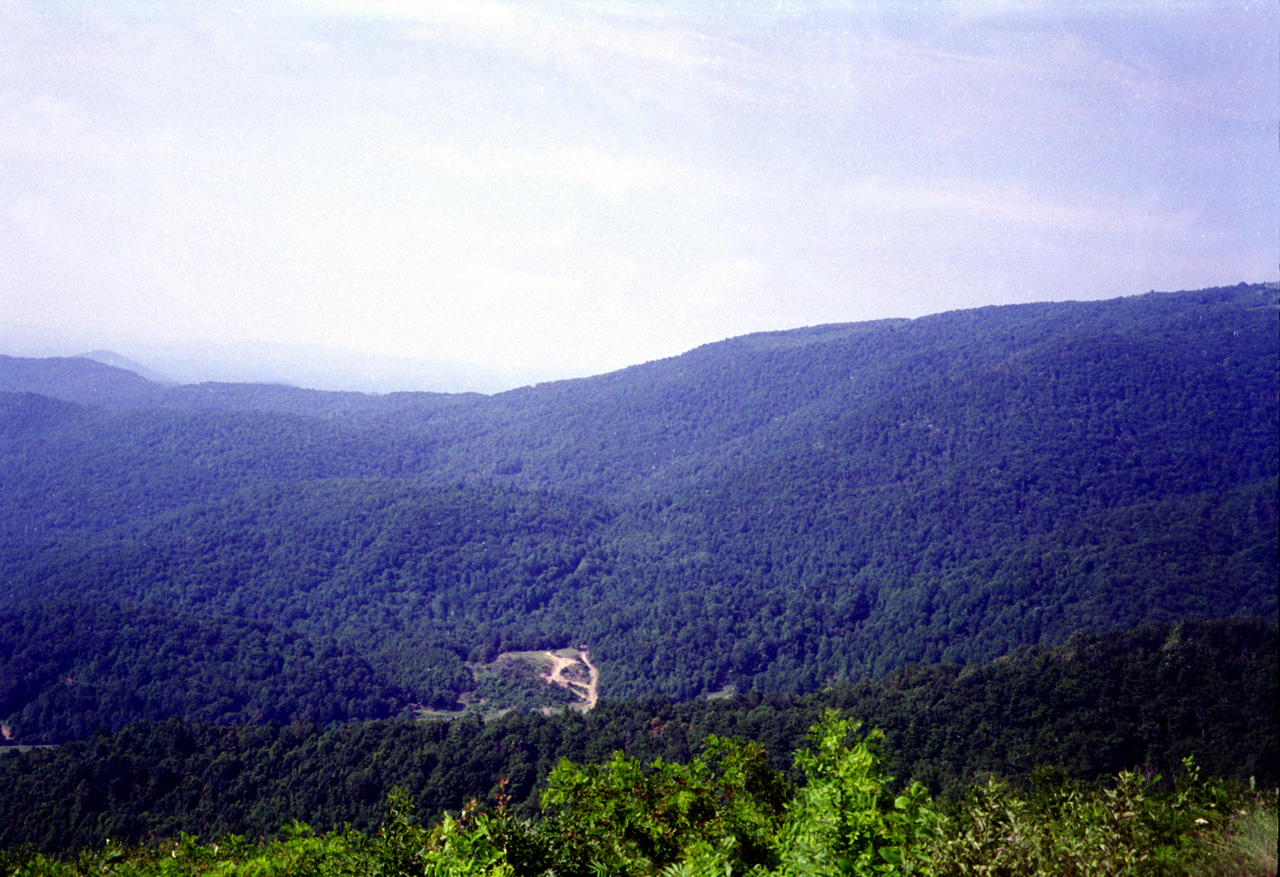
<point>778,513</point>
<point>1078,714</point>
<point>726,811</point>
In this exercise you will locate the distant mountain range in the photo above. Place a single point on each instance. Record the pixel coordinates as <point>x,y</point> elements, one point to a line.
<point>775,511</point>
<point>298,365</point>
<point>106,357</point>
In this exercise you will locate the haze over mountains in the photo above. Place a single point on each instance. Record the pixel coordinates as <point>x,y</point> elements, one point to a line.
<point>775,512</point>
<point>299,365</point>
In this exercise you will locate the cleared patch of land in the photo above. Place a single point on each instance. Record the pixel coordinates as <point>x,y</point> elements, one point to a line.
<point>546,680</point>
<point>572,669</point>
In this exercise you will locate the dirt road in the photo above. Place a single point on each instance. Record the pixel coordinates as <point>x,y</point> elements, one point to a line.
<point>588,691</point>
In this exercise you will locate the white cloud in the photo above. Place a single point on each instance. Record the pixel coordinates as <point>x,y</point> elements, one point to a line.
<point>567,37</point>
<point>610,175</point>
<point>597,183</point>
<point>40,124</point>
<point>955,200</point>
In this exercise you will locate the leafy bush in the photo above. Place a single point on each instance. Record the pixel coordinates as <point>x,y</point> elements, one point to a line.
<point>727,814</point>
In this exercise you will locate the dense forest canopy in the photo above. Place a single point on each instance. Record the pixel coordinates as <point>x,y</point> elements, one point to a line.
<point>727,811</point>
<point>1084,710</point>
<point>774,512</point>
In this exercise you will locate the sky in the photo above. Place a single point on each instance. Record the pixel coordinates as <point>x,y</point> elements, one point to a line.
<point>561,188</point>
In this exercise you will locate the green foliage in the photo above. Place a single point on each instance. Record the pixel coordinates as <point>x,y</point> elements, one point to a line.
<point>1123,829</point>
<point>1096,705</point>
<point>73,668</point>
<point>771,513</point>
<point>727,814</point>
<point>1247,846</point>
<point>453,848</point>
<point>796,512</point>
<point>845,820</point>
<point>722,807</point>
<point>517,684</point>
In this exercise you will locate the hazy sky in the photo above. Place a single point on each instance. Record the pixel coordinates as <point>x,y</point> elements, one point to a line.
<point>587,185</point>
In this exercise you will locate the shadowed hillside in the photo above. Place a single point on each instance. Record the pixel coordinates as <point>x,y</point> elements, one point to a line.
<point>775,511</point>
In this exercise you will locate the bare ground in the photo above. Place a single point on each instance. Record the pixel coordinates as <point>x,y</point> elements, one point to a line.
<point>563,667</point>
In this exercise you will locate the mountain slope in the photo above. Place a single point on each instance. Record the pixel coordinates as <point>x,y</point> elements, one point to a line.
<point>1142,699</point>
<point>773,511</point>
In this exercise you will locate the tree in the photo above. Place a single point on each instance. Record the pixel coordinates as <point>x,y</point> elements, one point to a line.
<point>844,820</point>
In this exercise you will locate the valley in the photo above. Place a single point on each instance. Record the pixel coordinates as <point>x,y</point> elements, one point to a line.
<point>875,517</point>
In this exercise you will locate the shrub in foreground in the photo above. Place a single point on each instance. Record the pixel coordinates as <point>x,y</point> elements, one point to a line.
<point>728,814</point>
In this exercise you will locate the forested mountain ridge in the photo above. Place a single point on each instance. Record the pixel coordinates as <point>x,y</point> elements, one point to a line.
<point>1085,709</point>
<point>773,511</point>
<point>743,395</point>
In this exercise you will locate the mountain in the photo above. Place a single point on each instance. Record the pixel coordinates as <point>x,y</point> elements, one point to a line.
<point>1086,709</point>
<point>775,511</point>
<point>194,361</point>
<point>107,357</point>
<point>78,379</point>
